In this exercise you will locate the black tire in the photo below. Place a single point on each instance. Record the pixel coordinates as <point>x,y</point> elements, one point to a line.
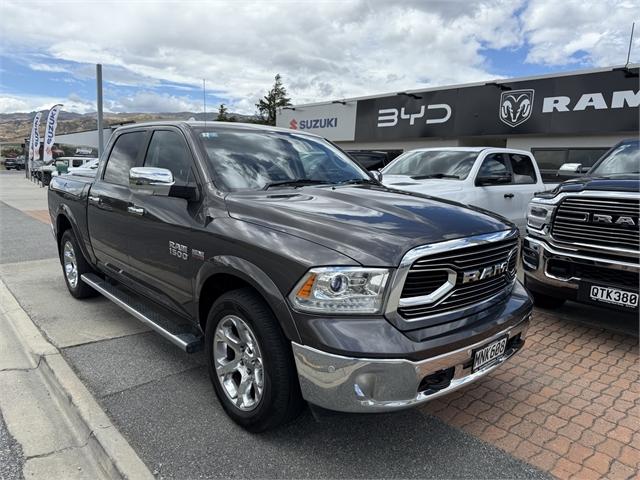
<point>281,399</point>
<point>546,301</point>
<point>78,289</point>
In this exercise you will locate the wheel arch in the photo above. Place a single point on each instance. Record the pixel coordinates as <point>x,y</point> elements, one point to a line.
<point>65,220</point>
<point>225,273</point>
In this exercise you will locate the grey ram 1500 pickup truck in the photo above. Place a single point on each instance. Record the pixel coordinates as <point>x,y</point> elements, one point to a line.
<point>300,275</point>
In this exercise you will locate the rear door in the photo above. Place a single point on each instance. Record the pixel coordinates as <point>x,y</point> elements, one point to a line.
<point>500,198</point>
<point>109,198</point>
<point>165,236</point>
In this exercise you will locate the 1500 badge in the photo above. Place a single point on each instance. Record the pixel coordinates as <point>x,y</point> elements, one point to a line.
<point>178,250</point>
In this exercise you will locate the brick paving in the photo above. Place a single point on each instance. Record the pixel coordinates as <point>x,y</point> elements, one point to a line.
<point>568,403</point>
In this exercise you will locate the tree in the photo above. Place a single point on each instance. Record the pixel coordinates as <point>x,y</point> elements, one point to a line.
<point>222,113</point>
<point>274,99</point>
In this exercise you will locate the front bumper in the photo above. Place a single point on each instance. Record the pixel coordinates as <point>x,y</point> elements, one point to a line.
<point>536,255</point>
<point>350,384</point>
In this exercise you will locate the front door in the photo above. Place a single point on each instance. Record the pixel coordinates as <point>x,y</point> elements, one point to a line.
<point>499,198</point>
<point>109,198</point>
<point>167,239</point>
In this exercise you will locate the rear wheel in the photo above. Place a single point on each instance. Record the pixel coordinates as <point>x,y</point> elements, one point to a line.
<point>74,265</point>
<point>250,362</point>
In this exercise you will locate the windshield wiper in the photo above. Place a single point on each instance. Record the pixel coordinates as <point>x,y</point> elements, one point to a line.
<point>355,181</point>
<point>435,175</point>
<point>295,182</point>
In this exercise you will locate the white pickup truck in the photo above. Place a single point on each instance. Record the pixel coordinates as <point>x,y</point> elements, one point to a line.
<point>501,180</point>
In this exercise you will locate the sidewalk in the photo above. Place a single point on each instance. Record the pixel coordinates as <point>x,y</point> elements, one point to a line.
<point>60,429</point>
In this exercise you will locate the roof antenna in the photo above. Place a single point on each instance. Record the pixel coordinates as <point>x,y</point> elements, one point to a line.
<point>204,101</point>
<point>626,65</point>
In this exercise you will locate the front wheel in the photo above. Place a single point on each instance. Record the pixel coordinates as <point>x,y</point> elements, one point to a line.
<point>74,265</point>
<point>250,362</point>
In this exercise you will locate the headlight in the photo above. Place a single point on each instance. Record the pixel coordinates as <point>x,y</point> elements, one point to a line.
<point>341,290</point>
<point>539,215</point>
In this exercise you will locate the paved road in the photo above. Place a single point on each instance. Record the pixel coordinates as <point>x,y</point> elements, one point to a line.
<point>162,400</point>
<point>11,458</point>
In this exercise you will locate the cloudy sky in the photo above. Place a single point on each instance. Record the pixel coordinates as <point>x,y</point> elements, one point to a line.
<point>156,53</point>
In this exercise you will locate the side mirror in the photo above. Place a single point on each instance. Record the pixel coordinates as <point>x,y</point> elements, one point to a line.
<point>377,174</point>
<point>570,169</point>
<point>151,180</point>
<point>493,180</point>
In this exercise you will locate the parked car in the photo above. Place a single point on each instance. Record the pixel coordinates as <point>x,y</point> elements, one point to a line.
<point>583,241</point>
<point>14,163</point>
<point>87,169</point>
<point>300,275</point>
<point>500,180</point>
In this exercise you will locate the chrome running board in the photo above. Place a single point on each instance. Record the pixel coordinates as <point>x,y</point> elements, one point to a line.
<point>181,334</point>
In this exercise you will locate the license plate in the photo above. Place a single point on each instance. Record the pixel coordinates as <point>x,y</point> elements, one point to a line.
<point>487,354</point>
<point>613,296</point>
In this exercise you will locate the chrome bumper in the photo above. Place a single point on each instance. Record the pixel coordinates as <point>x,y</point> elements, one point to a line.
<point>545,252</point>
<point>348,384</point>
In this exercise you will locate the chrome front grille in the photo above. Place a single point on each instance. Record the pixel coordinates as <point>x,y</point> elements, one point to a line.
<point>426,274</point>
<point>599,222</point>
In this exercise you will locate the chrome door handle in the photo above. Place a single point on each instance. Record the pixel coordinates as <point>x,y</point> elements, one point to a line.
<point>135,210</point>
<point>508,195</point>
<point>94,199</point>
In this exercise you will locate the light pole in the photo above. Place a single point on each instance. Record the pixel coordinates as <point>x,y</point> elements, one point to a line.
<point>99,102</point>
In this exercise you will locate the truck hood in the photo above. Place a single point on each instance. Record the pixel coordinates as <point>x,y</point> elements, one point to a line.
<point>373,225</point>
<point>433,186</point>
<point>614,183</point>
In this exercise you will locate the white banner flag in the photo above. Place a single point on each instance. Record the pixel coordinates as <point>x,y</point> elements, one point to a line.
<point>50,133</point>
<point>34,142</point>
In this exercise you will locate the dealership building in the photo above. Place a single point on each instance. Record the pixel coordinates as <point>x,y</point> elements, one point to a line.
<point>568,117</point>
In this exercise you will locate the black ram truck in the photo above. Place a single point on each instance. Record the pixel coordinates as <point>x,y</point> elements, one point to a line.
<point>300,275</point>
<point>583,240</point>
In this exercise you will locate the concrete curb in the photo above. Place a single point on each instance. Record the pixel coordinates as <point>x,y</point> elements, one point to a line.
<point>109,449</point>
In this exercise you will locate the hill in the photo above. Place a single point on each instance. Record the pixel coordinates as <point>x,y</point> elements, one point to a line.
<point>15,127</point>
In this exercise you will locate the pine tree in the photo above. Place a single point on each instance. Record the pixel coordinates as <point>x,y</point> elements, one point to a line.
<point>223,114</point>
<point>274,99</point>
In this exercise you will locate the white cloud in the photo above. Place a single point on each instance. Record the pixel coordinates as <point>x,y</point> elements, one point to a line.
<point>45,67</point>
<point>594,33</point>
<point>29,103</point>
<point>148,101</point>
<point>323,49</point>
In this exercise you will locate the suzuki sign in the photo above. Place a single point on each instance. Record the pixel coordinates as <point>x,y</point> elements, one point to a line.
<point>336,122</point>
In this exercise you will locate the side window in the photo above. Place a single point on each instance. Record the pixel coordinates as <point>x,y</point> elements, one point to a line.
<point>123,157</point>
<point>493,165</point>
<point>169,150</point>
<point>522,167</point>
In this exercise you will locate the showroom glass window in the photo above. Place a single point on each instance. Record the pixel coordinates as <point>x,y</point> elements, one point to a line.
<point>123,157</point>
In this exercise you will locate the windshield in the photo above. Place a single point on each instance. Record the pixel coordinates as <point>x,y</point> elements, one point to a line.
<point>433,164</point>
<point>623,159</point>
<point>254,160</point>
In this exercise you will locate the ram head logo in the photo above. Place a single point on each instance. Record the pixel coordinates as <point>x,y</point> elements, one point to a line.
<point>516,106</point>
